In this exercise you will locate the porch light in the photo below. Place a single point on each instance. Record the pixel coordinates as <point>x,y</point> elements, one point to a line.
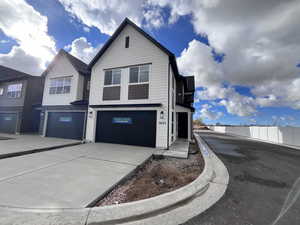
<point>162,116</point>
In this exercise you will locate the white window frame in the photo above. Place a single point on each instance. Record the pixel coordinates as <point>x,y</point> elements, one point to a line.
<point>63,85</point>
<point>17,93</point>
<point>112,78</point>
<point>139,74</point>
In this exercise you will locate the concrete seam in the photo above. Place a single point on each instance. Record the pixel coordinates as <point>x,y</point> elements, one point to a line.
<point>38,169</point>
<point>99,159</point>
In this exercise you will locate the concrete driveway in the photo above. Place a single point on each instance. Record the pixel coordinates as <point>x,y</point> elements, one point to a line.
<point>264,181</point>
<point>70,177</point>
<point>14,145</point>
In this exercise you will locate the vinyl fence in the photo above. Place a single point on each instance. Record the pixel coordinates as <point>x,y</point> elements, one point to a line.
<point>280,135</point>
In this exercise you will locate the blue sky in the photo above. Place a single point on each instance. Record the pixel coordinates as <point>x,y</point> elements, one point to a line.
<point>238,79</point>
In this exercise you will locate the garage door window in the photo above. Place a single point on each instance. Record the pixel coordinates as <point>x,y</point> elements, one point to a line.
<point>14,90</point>
<point>122,120</point>
<point>65,119</point>
<point>60,85</point>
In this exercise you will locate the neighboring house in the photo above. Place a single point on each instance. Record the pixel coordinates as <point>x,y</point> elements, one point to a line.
<point>137,95</point>
<point>65,99</point>
<point>20,100</point>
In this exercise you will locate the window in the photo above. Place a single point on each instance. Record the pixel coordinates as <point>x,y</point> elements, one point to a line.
<point>112,77</point>
<point>127,42</point>
<point>14,90</point>
<point>139,74</point>
<point>1,91</point>
<point>60,85</point>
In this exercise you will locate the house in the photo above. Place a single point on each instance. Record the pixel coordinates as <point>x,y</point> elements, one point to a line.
<point>137,96</point>
<point>65,99</point>
<point>20,99</point>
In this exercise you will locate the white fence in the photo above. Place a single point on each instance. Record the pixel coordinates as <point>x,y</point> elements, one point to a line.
<point>281,135</point>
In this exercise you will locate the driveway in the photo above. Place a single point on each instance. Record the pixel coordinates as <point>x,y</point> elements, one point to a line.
<point>261,177</point>
<point>70,177</point>
<point>14,145</point>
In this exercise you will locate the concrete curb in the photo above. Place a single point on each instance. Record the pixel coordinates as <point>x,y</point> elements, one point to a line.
<point>37,150</point>
<point>163,207</point>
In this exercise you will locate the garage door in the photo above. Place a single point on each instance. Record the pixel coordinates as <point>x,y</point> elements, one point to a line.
<point>127,127</point>
<point>68,125</point>
<point>8,122</point>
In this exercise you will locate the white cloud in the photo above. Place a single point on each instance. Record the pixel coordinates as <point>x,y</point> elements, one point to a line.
<point>207,113</point>
<point>18,59</point>
<point>86,29</point>
<point>4,41</point>
<point>20,21</point>
<point>82,49</point>
<point>106,15</point>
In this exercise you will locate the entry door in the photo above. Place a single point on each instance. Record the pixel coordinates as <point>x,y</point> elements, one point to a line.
<point>182,125</point>
<point>8,122</point>
<point>69,125</point>
<point>127,127</point>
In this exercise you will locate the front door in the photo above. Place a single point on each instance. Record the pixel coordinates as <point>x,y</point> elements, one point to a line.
<point>183,125</point>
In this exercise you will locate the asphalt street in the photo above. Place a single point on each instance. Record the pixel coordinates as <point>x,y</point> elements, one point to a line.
<point>264,184</point>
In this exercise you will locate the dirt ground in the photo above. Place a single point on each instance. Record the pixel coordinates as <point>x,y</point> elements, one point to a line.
<point>156,177</point>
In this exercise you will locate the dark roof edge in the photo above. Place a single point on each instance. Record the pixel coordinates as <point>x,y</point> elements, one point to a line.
<point>63,52</point>
<point>118,31</point>
<point>21,74</point>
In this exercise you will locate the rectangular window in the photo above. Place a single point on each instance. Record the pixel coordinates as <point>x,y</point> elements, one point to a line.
<point>139,74</point>
<point>112,77</point>
<point>60,85</point>
<point>65,119</point>
<point>1,91</point>
<point>127,42</point>
<point>14,90</point>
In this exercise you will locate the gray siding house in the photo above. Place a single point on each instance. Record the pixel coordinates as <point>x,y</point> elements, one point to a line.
<point>20,100</point>
<point>65,99</point>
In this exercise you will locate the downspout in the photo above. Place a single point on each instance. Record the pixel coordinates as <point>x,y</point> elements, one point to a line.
<point>168,143</point>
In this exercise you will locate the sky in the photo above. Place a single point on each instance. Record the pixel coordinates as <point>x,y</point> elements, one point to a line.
<point>245,55</point>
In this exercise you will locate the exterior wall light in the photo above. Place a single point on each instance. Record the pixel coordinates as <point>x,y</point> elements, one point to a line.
<point>162,115</point>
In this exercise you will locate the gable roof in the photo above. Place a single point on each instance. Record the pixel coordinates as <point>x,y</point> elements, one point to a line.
<point>125,22</point>
<point>79,66</point>
<point>9,74</point>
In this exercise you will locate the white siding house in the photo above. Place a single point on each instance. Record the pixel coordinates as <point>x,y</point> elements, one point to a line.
<point>65,99</point>
<point>130,76</point>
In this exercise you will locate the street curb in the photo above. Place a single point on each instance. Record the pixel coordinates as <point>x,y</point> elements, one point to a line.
<point>138,212</point>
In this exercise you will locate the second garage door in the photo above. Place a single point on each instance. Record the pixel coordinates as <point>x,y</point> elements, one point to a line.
<point>8,122</point>
<point>68,125</point>
<point>127,127</point>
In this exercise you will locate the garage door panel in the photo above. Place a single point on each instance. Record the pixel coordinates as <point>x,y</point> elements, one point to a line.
<point>8,122</point>
<point>127,127</point>
<point>68,125</point>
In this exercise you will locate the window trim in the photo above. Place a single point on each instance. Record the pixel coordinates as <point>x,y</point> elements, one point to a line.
<point>112,78</point>
<point>7,92</point>
<point>137,83</point>
<point>56,78</point>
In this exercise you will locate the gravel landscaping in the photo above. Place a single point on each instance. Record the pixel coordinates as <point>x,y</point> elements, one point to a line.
<point>156,177</point>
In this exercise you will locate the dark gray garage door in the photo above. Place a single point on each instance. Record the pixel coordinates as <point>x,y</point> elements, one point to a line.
<point>127,127</point>
<point>8,122</point>
<point>68,125</point>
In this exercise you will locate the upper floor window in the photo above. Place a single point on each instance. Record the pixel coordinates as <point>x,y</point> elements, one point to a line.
<point>112,77</point>
<point>138,87</point>
<point>60,85</point>
<point>139,74</point>
<point>14,90</point>
<point>127,42</point>
<point>1,91</point>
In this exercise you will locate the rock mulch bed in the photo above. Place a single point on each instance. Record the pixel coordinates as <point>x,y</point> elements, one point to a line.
<point>156,177</point>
